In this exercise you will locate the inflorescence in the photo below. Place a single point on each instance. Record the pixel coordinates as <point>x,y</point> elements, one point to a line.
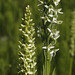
<point>27,45</point>
<point>50,22</point>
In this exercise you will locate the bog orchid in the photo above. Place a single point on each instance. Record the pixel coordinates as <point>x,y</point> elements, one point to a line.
<point>27,45</point>
<point>51,17</point>
<point>51,34</point>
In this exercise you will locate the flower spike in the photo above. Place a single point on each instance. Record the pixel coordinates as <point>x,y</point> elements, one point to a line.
<point>27,45</point>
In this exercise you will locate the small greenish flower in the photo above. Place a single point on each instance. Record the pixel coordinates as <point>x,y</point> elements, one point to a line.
<point>59,11</point>
<point>49,47</point>
<point>50,7</point>
<point>53,52</point>
<point>46,19</point>
<point>55,18</point>
<point>56,2</point>
<point>41,3</point>
<point>59,22</point>
<point>55,35</point>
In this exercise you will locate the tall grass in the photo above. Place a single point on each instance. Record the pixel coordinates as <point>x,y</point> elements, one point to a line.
<point>72,45</point>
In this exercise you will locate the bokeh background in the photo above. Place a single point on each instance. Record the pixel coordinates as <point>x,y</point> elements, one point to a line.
<point>11,12</point>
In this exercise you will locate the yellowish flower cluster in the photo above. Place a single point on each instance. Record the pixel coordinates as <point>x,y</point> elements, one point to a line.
<point>27,45</point>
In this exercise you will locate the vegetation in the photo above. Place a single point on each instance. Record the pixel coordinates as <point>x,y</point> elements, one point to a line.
<point>10,18</point>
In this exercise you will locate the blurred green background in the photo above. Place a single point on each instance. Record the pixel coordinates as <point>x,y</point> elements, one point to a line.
<point>11,12</point>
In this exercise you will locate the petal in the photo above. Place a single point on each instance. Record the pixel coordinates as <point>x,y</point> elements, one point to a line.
<point>59,11</point>
<point>39,4</point>
<point>48,29</point>
<point>56,2</point>
<point>22,19</point>
<point>57,32</point>
<point>50,15</point>
<point>50,47</point>
<point>55,12</point>
<point>44,47</point>
<point>45,22</point>
<point>56,37</point>
<point>46,6</point>
<point>51,34</point>
<point>51,52</point>
<point>41,1</point>
<point>55,19</point>
<point>59,22</point>
<point>49,10</point>
<point>56,50</point>
<point>31,73</point>
<point>42,17</point>
<point>22,25</point>
<point>49,20</point>
<point>20,29</point>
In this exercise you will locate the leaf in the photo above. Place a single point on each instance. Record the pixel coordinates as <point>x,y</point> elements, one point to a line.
<point>54,73</point>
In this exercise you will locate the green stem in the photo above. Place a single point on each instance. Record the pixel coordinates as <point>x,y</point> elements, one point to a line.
<point>71,62</point>
<point>47,63</point>
<point>47,60</point>
<point>47,55</point>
